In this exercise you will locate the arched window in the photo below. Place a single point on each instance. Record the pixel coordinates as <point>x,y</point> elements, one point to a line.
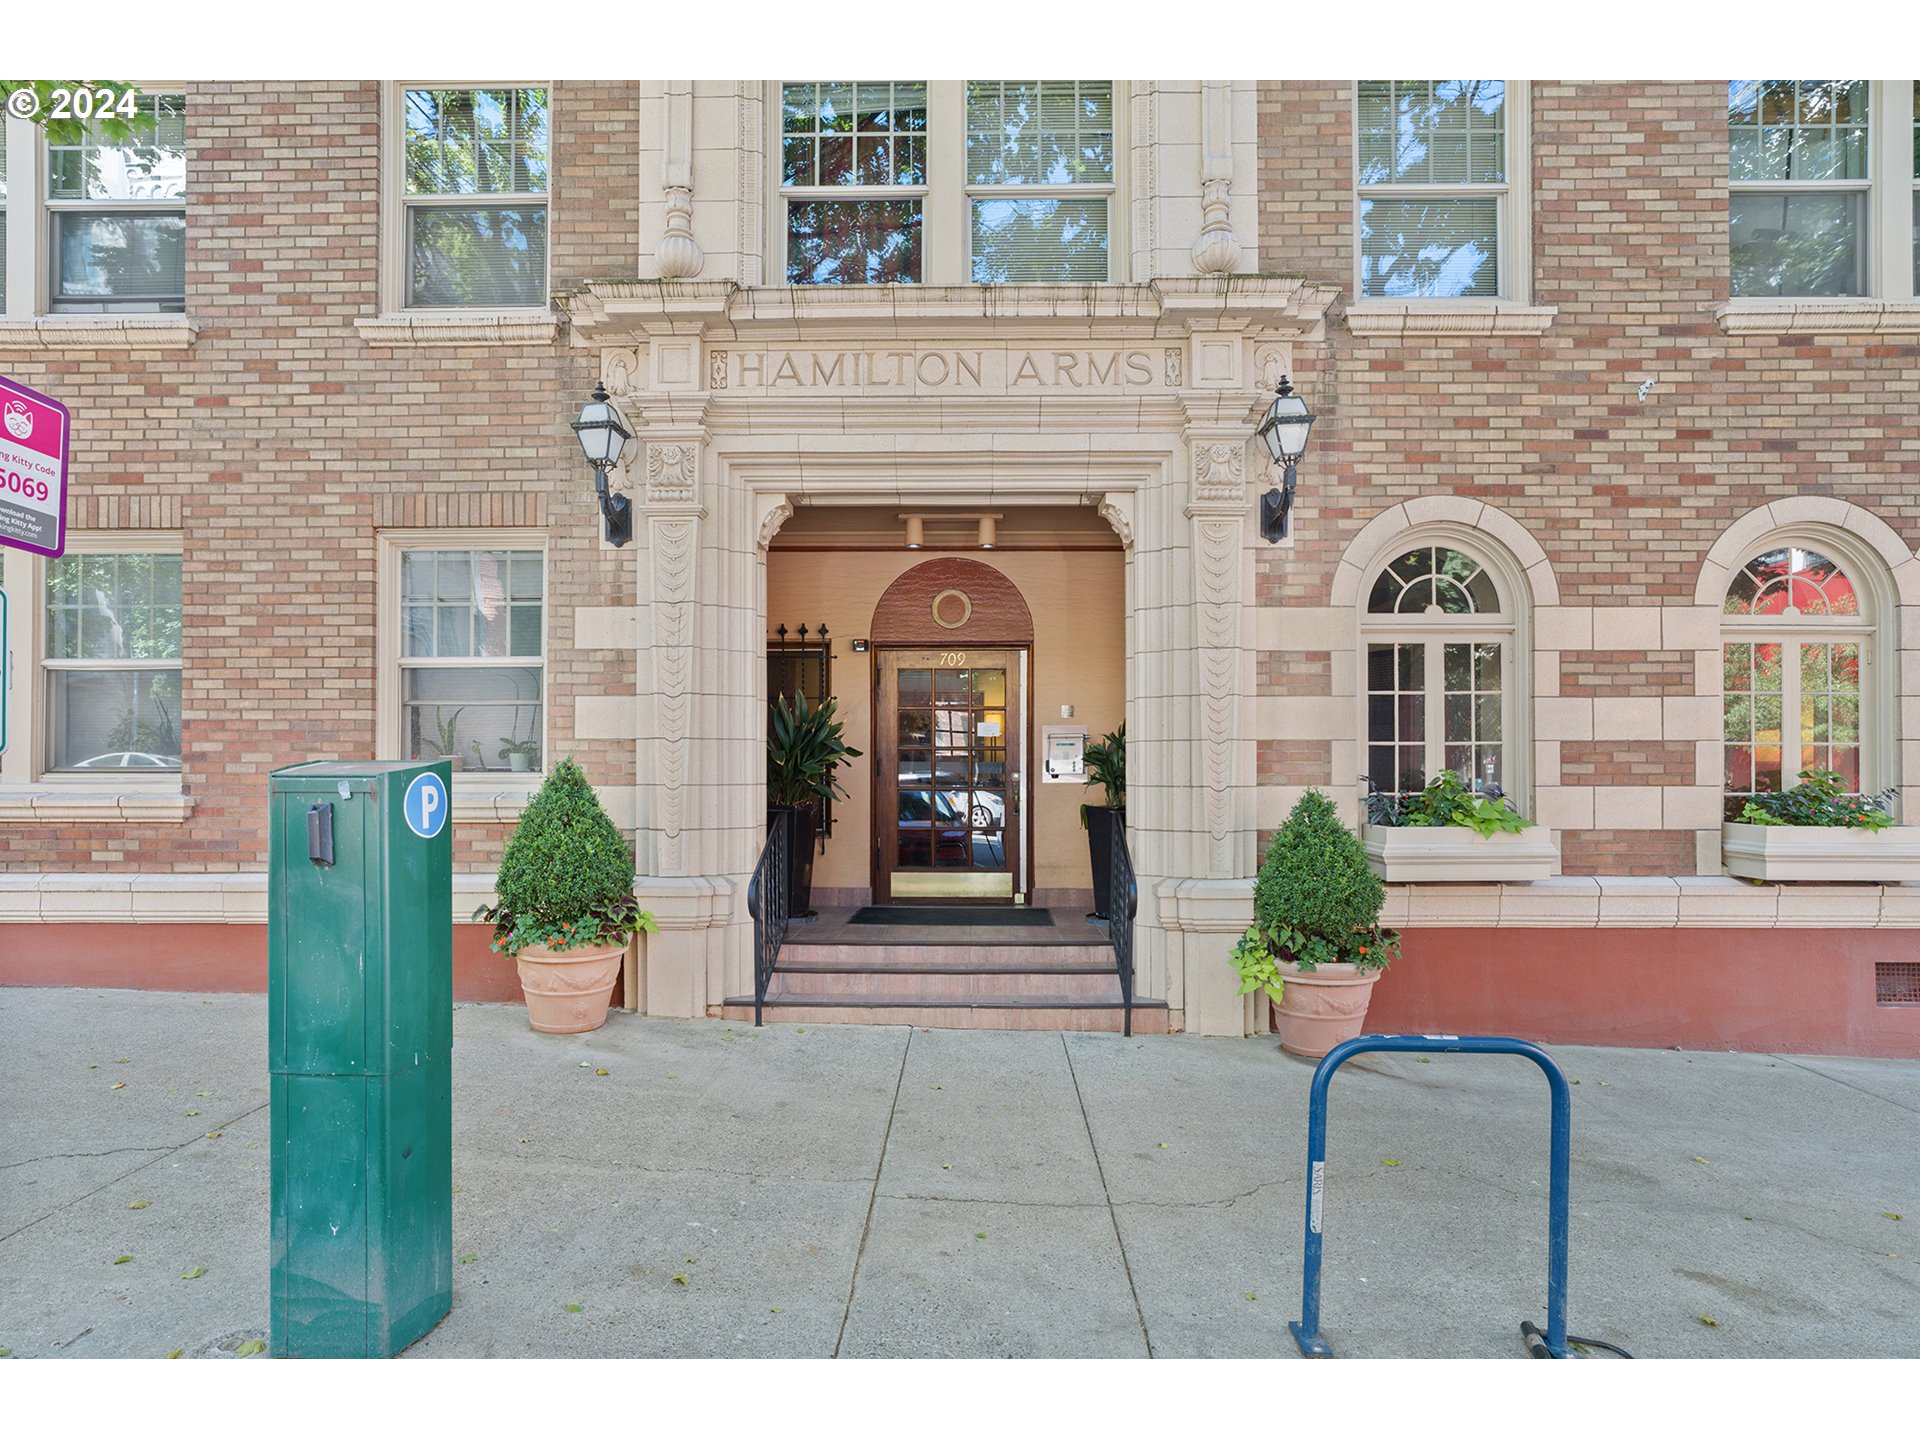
<point>1440,672</point>
<point>1796,647</point>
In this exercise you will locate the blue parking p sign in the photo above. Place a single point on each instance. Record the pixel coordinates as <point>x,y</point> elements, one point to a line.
<point>425,806</point>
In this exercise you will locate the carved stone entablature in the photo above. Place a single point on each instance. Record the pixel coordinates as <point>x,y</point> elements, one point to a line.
<point>673,475</point>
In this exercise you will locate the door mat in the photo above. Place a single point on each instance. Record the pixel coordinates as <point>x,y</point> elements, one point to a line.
<point>950,915</point>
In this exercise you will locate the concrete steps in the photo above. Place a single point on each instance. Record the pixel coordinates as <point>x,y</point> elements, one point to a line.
<point>1011,986</point>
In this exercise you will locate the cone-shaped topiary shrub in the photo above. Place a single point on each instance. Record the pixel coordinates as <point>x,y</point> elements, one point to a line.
<point>566,879</point>
<point>1315,902</point>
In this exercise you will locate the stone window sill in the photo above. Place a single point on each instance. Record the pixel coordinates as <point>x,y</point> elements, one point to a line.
<point>1818,317</point>
<point>460,327</point>
<point>99,332</point>
<point>1418,319</point>
<point>232,897</point>
<point>1812,852</point>
<point>487,800</point>
<point>1419,853</point>
<point>53,804</point>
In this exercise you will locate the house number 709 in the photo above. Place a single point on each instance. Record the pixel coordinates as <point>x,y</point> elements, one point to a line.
<point>952,658</point>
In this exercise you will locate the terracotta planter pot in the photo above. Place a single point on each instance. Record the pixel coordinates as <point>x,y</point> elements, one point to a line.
<point>1321,1007</point>
<point>568,991</point>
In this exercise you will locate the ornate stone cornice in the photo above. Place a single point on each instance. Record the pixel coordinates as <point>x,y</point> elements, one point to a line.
<point>1281,306</point>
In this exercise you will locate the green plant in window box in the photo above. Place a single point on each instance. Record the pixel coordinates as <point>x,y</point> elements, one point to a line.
<point>1821,798</point>
<point>1447,800</point>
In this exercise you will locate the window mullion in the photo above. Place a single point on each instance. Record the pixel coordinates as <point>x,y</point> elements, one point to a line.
<point>1434,662</point>
<point>944,226</point>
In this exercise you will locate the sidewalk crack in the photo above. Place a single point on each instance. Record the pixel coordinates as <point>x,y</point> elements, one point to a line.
<point>1113,1218</point>
<point>879,1169</point>
<point>86,1155</point>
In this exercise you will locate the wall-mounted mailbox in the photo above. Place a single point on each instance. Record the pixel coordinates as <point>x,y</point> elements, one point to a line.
<point>320,833</point>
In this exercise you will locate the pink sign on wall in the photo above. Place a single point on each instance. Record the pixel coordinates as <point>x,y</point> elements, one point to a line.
<point>33,469</point>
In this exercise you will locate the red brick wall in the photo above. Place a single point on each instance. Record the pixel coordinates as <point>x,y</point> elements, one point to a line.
<point>280,440</point>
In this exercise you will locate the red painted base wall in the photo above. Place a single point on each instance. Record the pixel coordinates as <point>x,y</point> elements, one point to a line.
<point>1808,992</point>
<point>230,958</point>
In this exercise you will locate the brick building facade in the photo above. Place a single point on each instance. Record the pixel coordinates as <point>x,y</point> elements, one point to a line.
<point>1613,433</point>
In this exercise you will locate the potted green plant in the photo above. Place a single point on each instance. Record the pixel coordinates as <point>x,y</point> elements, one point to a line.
<point>519,754</point>
<point>444,743</point>
<point>1316,945</point>
<point>1454,831</point>
<point>806,744</point>
<point>1106,762</point>
<point>1817,830</point>
<point>565,906</point>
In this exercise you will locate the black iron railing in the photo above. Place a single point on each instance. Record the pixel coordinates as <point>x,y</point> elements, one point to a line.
<point>1122,901</point>
<point>768,893</point>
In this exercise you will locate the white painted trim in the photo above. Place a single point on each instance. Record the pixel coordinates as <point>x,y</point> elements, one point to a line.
<point>1811,852</point>
<point>54,803</point>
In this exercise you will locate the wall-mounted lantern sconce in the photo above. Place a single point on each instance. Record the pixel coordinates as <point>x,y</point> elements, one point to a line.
<point>603,436</point>
<point>1285,431</point>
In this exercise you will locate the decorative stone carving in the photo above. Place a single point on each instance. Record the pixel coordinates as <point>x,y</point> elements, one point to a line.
<point>620,372</point>
<point>717,370</point>
<point>1270,364</point>
<point>672,474</point>
<point>1174,369</point>
<point>771,522</point>
<point>1216,251</point>
<point>678,254</point>
<point>1119,515</point>
<point>674,546</point>
<point>1219,474</point>
<point>1217,617</point>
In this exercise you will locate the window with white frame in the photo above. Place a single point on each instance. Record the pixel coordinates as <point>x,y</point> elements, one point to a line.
<point>471,652</point>
<point>1434,180</point>
<point>112,661</point>
<point>1440,678</point>
<point>1796,652</point>
<point>1039,180</point>
<point>1914,155</point>
<point>474,197</point>
<point>911,181</point>
<point>116,210</point>
<point>3,217</point>
<point>1800,170</point>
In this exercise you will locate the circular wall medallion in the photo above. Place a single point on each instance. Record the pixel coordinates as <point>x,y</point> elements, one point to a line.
<point>940,605</point>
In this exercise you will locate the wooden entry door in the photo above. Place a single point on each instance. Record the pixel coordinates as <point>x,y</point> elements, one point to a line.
<point>951,754</point>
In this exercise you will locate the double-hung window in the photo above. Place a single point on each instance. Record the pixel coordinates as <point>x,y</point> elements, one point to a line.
<point>474,197</point>
<point>472,641</point>
<point>947,182</point>
<point>1434,177</point>
<point>853,179</point>
<point>117,216</point>
<point>1800,170</point>
<point>1039,180</point>
<point>112,661</point>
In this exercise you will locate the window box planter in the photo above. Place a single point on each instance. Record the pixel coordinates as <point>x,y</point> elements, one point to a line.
<point>1400,853</point>
<point>1821,852</point>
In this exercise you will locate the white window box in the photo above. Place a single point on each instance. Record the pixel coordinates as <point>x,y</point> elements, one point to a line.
<point>1820,852</point>
<point>1453,852</point>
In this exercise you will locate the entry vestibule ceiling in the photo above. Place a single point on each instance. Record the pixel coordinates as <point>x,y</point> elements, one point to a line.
<point>879,527</point>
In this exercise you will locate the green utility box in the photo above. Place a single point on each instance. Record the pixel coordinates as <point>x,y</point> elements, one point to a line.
<point>359,1042</point>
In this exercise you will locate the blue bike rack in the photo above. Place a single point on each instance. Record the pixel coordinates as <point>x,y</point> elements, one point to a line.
<point>1306,1330</point>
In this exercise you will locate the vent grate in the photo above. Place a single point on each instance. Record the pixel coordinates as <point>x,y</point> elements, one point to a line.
<point>1896,982</point>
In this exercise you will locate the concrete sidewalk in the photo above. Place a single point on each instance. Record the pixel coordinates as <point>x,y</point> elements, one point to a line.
<point>881,1191</point>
